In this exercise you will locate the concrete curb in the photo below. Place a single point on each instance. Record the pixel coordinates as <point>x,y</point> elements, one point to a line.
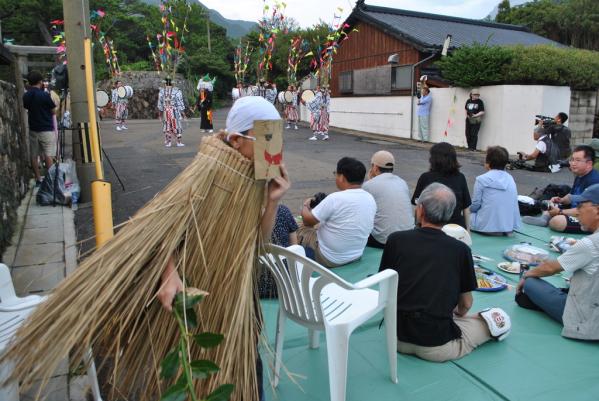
<point>10,253</point>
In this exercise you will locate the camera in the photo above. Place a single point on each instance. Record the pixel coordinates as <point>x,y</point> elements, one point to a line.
<point>544,204</point>
<point>316,199</point>
<point>547,121</point>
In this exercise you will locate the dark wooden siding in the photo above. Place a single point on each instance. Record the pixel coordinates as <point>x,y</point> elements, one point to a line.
<point>369,47</point>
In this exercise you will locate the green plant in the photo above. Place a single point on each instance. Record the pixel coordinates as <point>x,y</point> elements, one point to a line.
<point>475,65</point>
<point>177,362</point>
<point>141,65</point>
<point>528,65</point>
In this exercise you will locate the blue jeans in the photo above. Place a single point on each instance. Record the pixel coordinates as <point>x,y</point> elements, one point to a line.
<point>550,299</point>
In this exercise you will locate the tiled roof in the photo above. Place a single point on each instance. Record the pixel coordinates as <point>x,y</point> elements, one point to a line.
<point>428,31</point>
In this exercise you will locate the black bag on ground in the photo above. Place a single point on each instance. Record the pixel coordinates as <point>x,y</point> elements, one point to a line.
<point>51,191</point>
<point>526,209</point>
<point>552,190</point>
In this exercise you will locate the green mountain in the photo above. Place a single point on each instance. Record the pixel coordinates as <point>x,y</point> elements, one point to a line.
<point>235,28</point>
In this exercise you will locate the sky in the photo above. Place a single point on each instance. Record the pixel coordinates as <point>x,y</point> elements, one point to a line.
<point>308,12</point>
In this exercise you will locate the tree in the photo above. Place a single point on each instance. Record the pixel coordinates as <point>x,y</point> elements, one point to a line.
<point>571,22</point>
<point>503,10</point>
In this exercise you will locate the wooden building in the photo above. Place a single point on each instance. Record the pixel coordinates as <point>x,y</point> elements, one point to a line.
<point>392,48</point>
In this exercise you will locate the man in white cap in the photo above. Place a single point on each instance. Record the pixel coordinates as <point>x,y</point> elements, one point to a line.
<point>436,280</point>
<point>392,197</point>
<point>240,136</point>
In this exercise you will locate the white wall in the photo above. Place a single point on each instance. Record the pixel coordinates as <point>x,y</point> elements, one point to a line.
<point>509,118</point>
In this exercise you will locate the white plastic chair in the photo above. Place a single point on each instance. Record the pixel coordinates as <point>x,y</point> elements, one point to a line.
<point>314,297</point>
<point>13,312</point>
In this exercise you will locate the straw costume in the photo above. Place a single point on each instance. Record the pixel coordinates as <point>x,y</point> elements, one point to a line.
<point>171,105</point>
<point>209,218</point>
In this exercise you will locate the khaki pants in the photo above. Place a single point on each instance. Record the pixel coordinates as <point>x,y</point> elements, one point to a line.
<point>42,142</point>
<point>475,332</point>
<point>423,128</point>
<point>307,237</point>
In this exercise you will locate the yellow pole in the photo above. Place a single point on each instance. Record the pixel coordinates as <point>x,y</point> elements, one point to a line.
<point>101,193</point>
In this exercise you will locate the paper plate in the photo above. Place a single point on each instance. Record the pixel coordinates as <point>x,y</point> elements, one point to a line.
<point>506,267</point>
<point>488,281</point>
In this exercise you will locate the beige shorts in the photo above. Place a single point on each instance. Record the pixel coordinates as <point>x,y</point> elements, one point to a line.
<point>43,142</point>
<point>475,332</point>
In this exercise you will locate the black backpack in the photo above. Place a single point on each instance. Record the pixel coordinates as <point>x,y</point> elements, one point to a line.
<point>553,152</point>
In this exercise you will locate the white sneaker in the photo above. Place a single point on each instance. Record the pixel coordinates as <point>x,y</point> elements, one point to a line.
<point>180,145</point>
<point>202,130</point>
<point>325,137</point>
<point>211,131</point>
<point>296,127</point>
<point>168,144</point>
<point>287,126</point>
<point>124,127</point>
<point>118,128</point>
<point>498,321</point>
<point>313,138</point>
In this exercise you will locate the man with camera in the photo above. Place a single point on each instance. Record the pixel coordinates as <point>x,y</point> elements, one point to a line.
<point>563,216</point>
<point>545,155</point>
<point>559,133</point>
<point>576,307</point>
<point>344,218</point>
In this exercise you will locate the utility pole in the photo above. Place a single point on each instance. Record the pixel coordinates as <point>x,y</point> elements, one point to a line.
<point>76,28</point>
<point>208,28</point>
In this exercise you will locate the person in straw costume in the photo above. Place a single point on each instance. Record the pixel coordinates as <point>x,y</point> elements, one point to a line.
<point>171,107</point>
<point>204,230</point>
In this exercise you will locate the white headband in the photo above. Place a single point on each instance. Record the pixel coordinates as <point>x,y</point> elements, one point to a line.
<point>246,110</point>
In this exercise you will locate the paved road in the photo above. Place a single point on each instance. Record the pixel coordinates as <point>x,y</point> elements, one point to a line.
<point>146,166</point>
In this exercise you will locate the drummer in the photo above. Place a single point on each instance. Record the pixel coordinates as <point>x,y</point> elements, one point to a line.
<point>319,109</point>
<point>120,104</point>
<point>291,114</point>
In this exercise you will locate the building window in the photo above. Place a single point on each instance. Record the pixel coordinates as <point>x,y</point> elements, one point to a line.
<point>401,77</point>
<point>346,81</point>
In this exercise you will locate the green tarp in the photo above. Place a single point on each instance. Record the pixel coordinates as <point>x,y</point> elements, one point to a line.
<point>533,363</point>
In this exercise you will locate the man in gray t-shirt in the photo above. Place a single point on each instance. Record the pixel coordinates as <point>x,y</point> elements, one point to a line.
<point>394,209</point>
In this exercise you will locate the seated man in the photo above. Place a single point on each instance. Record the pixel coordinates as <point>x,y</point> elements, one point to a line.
<point>564,218</point>
<point>575,308</point>
<point>545,154</point>
<point>561,135</point>
<point>436,277</point>
<point>392,197</point>
<point>344,218</point>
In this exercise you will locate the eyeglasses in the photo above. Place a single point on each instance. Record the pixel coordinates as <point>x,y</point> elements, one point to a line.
<point>243,135</point>
<point>579,160</point>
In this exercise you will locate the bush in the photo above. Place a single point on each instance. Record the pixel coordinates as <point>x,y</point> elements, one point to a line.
<point>475,65</point>
<point>541,65</point>
<point>142,65</point>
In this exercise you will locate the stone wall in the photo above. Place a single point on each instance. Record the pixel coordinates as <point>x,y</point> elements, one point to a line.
<point>145,86</point>
<point>582,116</point>
<point>14,165</point>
